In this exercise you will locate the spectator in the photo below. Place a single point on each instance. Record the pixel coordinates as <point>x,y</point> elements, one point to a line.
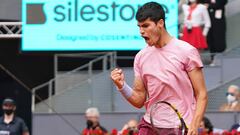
<point>195,17</point>
<point>130,127</point>
<point>232,96</point>
<point>235,127</point>
<point>206,128</point>
<point>216,37</point>
<point>92,120</point>
<point>10,124</point>
<point>180,16</point>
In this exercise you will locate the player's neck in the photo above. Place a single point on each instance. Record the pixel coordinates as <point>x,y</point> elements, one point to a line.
<point>164,39</point>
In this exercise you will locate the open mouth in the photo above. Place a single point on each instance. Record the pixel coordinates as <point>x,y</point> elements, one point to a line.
<point>146,38</point>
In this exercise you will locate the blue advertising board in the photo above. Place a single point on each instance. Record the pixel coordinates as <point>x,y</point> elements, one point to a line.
<point>87,25</point>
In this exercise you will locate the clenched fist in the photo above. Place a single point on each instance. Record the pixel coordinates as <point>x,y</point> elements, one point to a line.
<point>118,77</point>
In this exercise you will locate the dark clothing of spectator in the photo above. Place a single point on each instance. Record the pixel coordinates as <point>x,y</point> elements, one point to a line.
<point>16,127</point>
<point>99,127</point>
<point>216,37</point>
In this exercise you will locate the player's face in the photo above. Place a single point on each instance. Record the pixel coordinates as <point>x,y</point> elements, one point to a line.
<point>150,31</point>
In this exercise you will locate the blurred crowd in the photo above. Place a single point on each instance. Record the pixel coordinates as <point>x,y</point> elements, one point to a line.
<point>93,126</point>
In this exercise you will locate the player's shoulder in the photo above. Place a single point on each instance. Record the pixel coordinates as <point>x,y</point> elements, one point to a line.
<point>143,51</point>
<point>184,46</point>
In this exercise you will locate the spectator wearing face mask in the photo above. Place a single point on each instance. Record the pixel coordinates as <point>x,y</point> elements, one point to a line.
<point>10,124</point>
<point>232,96</point>
<point>92,122</point>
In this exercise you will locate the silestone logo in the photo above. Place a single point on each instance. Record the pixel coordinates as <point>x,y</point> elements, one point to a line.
<point>76,10</point>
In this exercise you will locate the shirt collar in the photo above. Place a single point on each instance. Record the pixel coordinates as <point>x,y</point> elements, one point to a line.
<point>2,119</point>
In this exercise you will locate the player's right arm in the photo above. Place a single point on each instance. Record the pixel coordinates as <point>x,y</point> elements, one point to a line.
<point>136,95</point>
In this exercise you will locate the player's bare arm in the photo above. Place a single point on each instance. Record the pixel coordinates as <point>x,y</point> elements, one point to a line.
<point>197,78</point>
<point>138,94</point>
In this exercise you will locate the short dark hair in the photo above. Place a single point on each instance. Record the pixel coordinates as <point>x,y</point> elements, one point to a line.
<point>208,124</point>
<point>152,10</point>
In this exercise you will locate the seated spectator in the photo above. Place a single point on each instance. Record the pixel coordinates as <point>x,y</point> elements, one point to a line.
<point>92,121</point>
<point>235,127</point>
<point>206,128</point>
<point>232,96</point>
<point>130,127</point>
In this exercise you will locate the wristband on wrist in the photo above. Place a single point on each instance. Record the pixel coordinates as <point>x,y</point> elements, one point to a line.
<point>126,90</point>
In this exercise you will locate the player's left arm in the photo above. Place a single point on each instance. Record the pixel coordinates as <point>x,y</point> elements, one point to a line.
<point>197,79</point>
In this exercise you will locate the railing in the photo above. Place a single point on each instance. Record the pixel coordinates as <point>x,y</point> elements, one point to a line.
<point>108,60</point>
<point>10,29</point>
<point>112,59</point>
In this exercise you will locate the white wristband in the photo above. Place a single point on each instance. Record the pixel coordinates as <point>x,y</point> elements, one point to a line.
<point>126,90</point>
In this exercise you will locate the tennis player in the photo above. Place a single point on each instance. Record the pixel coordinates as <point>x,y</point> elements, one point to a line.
<point>166,69</point>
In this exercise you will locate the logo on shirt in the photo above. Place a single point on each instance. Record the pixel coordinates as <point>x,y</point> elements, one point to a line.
<point>2,132</point>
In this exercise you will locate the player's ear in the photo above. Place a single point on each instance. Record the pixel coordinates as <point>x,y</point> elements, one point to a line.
<point>160,23</point>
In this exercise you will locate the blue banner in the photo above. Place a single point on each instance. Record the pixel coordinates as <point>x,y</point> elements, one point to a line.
<point>87,25</point>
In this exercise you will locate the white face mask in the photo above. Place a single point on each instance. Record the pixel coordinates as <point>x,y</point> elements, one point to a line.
<point>192,1</point>
<point>231,98</point>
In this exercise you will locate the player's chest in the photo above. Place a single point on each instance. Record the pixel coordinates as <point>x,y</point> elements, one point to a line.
<point>162,65</point>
